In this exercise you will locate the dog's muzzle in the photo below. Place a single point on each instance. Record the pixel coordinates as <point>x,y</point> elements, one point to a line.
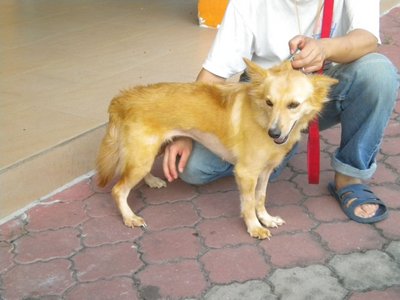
<point>276,134</point>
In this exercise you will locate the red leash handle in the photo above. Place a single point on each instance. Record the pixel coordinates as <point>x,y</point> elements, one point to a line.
<point>313,147</point>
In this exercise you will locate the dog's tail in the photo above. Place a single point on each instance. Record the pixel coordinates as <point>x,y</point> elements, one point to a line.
<point>108,157</point>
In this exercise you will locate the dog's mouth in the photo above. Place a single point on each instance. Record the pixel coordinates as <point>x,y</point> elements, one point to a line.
<point>283,139</point>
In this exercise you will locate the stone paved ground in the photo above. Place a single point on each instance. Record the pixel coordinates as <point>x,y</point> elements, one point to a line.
<point>74,246</point>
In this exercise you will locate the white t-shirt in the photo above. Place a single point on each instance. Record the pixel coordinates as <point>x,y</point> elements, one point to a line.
<point>261,29</point>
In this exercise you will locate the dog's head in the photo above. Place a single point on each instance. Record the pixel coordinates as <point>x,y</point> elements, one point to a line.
<point>286,99</point>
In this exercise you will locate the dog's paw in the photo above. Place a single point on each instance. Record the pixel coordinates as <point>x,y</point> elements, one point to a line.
<point>135,221</point>
<point>154,182</point>
<point>272,222</point>
<point>260,233</point>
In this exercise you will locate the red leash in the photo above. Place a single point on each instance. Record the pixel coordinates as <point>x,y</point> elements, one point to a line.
<point>313,147</point>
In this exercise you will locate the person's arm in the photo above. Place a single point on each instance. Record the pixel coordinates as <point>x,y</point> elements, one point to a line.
<point>344,49</point>
<point>182,146</point>
<point>350,47</point>
<point>207,76</point>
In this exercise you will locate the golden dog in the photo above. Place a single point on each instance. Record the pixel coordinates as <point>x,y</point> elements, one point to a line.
<point>251,125</point>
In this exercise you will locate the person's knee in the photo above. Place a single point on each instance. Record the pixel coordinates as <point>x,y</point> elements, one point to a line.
<point>192,174</point>
<point>378,72</point>
<point>376,78</point>
<point>204,166</point>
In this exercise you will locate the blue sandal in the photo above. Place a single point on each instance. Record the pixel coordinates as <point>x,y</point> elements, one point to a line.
<point>360,194</point>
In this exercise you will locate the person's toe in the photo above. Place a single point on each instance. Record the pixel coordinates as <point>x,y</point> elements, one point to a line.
<point>366,210</point>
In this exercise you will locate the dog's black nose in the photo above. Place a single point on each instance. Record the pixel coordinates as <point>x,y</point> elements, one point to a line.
<point>274,133</point>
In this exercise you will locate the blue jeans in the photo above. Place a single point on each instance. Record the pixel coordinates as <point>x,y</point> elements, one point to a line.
<point>361,102</point>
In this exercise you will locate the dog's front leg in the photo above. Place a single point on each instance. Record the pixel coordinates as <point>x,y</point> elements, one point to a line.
<point>261,197</point>
<point>247,185</point>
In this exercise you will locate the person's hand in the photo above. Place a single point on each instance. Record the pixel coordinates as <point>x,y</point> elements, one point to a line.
<point>181,147</point>
<point>311,56</point>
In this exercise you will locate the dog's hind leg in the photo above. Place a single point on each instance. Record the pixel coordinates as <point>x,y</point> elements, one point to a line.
<point>137,166</point>
<point>120,194</point>
<point>247,185</point>
<point>261,191</point>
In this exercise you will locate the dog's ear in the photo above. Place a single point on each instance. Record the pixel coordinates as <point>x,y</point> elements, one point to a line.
<point>287,65</point>
<point>322,84</point>
<point>255,72</point>
<point>323,81</point>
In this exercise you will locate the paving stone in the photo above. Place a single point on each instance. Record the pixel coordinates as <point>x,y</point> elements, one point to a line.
<point>389,49</point>
<point>390,227</point>
<point>296,218</point>
<point>397,106</point>
<point>392,129</point>
<point>326,156</point>
<point>282,193</point>
<point>172,281</point>
<point>350,236</point>
<point>108,229</point>
<point>170,245</point>
<point>221,185</point>
<point>327,149</point>
<point>173,215</point>
<point>78,191</point>
<point>286,174</point>
<point>117,288</point>
<point>384,174</point>
<point>314,189</point>
<point>394,162</point>
<point>6,257</point>
<point>34,280</point>
<point>214,205</point>
<point>135,201</point>
<point>312,282</point>
<point>299,163</point>
<point>60,243</point>
<point>251,290</point>
<point>175,191</point>
<point>107,261</point>
<point>293,250</point>
<point>235,264</point>
<point>332,135</point>
<point>107,189</point>
<point>12,230</point>
<point>390,146</point>
<point>389,194</point>
<point>221,232</point>
<point>388,294</point>
<point>325,209</point>
<point>389,23</point>
<point>363,271</point>
<point>302,144</point>
<point>394,249</point>
<point>56,215</point>
<point>100,205</point>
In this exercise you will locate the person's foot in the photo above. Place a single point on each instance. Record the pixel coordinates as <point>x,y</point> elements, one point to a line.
<point>362,211</point>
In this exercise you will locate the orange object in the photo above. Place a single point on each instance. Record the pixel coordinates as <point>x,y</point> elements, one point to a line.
<point>211,12</point>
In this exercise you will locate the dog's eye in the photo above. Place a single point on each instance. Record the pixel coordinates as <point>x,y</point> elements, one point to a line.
<point>269,103</point>
<point>293,105</point>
